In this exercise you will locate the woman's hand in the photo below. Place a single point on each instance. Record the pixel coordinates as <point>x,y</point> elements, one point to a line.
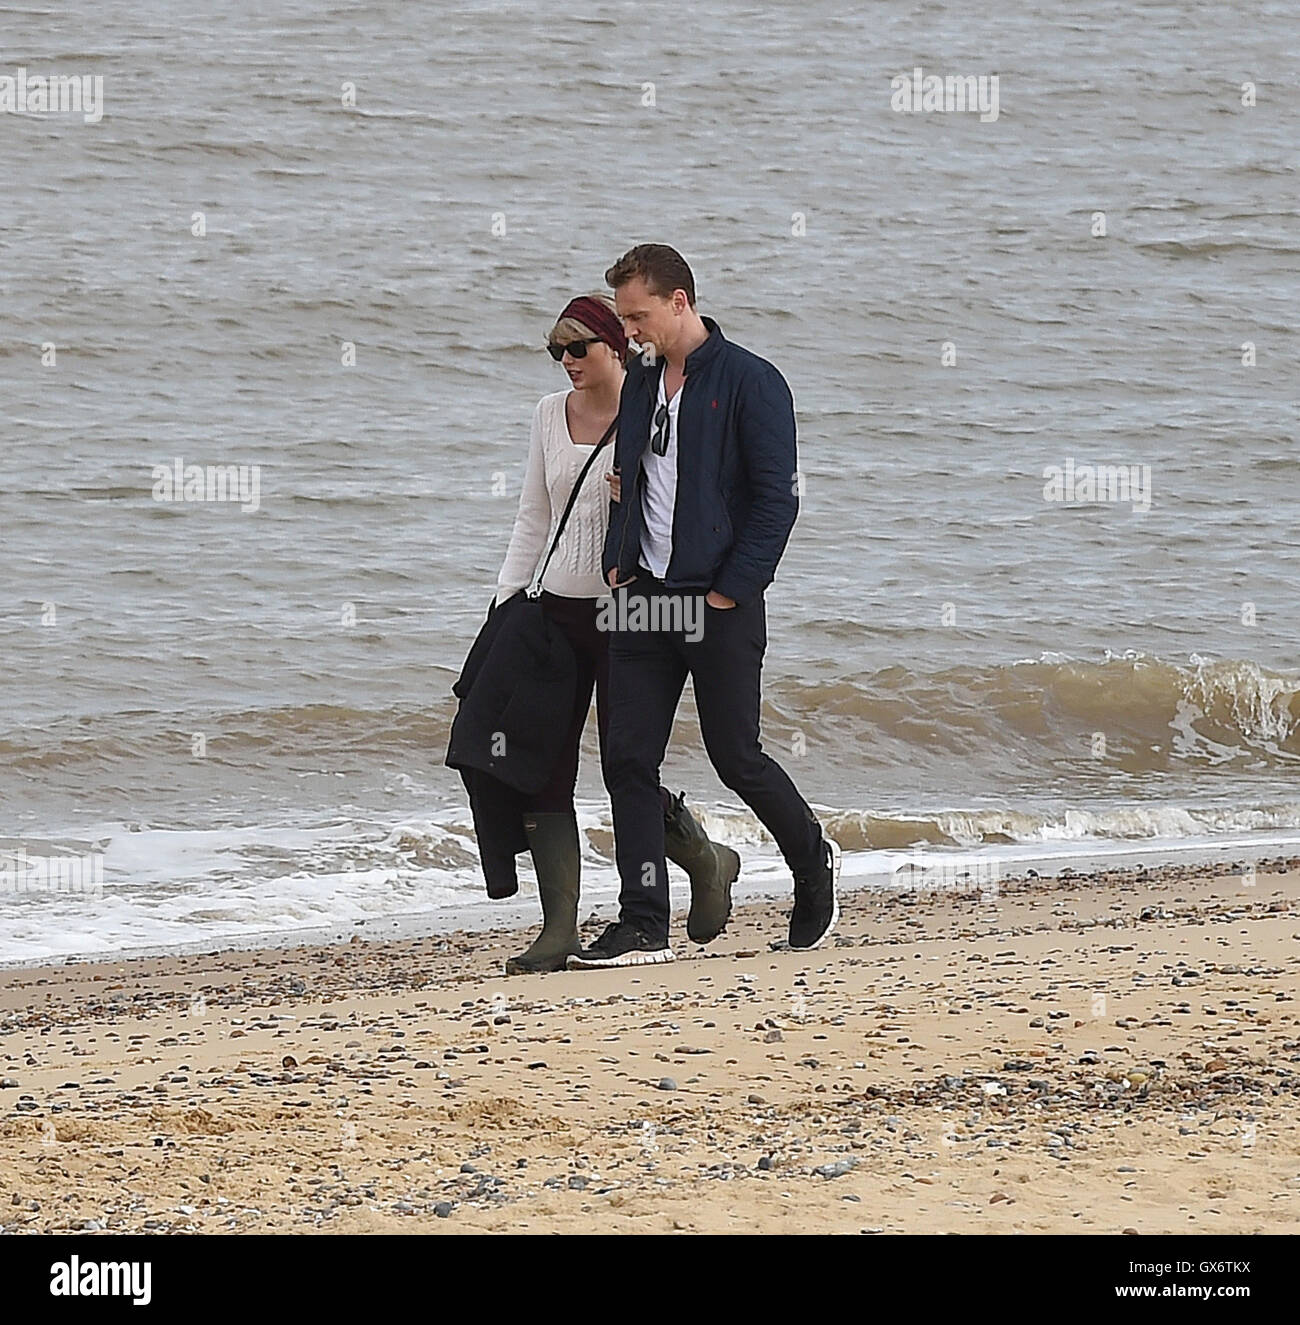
<point>615,486</point>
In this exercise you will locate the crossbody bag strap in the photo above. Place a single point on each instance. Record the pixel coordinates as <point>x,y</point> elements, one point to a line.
<point>536,587</point>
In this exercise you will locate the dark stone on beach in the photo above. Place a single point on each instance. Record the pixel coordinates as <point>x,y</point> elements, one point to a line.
<point>468,1168</point>
<point>8,1083</point>
<point>443,1209</point>
<point>666,1083</point>
<point>765,1163</point>
<point>577,1182</point>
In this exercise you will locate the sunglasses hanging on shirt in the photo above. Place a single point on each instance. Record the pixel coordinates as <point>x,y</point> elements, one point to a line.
<point>659,438</point>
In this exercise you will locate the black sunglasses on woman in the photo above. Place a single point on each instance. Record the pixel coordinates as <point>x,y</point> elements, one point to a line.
<point>577,348</point>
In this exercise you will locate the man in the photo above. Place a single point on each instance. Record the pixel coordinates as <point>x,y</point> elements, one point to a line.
<point>707,464</point>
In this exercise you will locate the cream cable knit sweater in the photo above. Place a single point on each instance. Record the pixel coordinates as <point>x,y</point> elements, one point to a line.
<point>554,463</point>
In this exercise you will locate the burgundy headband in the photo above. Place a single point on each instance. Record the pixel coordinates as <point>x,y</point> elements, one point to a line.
<point>602,320</point>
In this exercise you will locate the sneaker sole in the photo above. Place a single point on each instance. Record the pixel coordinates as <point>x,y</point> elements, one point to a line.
<point>836,856</point>
<point>577,963</point>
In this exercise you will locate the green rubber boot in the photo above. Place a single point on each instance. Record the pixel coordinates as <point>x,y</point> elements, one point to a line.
<point>712,868</point>
<point>553,841</point>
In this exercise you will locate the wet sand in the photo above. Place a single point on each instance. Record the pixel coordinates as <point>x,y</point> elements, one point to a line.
<point>1104,1053</point>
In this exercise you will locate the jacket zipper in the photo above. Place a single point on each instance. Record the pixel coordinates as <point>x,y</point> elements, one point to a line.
<point>672,532</point>
<point>622,538</point>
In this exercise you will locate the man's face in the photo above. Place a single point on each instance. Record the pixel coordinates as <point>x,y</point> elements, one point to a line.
<point>652,320</point>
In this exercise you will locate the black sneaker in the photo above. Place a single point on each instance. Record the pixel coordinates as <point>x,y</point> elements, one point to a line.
<point>816,905</point>
<point>621,945</point>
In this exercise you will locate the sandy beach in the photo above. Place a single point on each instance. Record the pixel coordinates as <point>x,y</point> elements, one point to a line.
<point>1104,1053</point>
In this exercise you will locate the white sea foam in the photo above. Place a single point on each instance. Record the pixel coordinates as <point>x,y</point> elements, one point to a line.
<point>192,889</point>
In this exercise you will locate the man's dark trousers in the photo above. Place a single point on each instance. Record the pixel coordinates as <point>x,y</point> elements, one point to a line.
<point>647,670</point>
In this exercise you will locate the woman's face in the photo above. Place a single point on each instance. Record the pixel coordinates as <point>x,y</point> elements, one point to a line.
<point>599,365</point>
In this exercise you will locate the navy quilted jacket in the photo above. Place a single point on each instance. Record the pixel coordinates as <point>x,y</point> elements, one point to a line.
<point>736,460</point>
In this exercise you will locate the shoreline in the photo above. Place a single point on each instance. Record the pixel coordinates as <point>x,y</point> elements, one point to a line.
<point>768,884</point>
<point>1104,1052</point>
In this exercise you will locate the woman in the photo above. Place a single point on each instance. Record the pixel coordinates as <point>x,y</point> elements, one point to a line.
<point>588,341</point>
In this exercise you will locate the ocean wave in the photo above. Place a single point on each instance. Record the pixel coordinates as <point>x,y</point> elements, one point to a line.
<point>862,831</point>
<point>1136,713</point>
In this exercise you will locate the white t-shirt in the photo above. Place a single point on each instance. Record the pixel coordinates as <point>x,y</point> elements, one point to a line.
<point>659,491</point>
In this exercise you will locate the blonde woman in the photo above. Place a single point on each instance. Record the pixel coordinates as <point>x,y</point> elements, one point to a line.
<point>588,342</point>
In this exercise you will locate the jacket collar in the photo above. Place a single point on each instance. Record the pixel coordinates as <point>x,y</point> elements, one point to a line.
<point>712,347</point>
<point>697,359</point>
